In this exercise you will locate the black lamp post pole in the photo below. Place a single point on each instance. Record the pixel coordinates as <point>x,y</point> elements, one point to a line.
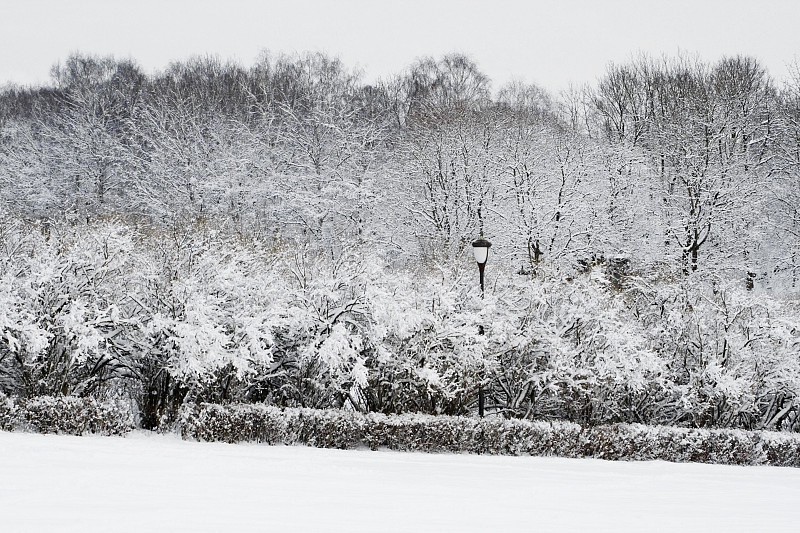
<point>481,249</point>
<point>481,394</point>
<point>481,267</point>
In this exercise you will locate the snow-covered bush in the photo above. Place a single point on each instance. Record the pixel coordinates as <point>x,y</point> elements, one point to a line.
<point>640,442</point>
<point>728,353</point>
<point>332,428</point>
<point>427,351</point>
<point>8,413</point>
<point>76,416</point>
<point>273,425</point>
<point>492,435</point>
<point>65,414</point>
<point>63,295</point>
<point>573,349</point>
<point>781,449</point>
<point>418,432</point>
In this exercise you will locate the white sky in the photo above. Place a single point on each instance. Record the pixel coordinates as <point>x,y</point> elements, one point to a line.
<point>551,43</point>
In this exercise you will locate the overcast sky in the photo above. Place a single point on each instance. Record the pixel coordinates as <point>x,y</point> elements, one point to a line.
<point>552,43</point>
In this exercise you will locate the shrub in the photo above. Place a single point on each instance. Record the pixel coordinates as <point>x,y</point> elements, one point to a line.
<point>781,449</point>
<point>271,425</point>
<point>640,442</point>
<point>8,413</point>
<point>64,414</point>
<point>429,433</point>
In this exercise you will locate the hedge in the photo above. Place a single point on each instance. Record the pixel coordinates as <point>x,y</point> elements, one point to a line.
<point>413,432</point>
<point>64,414</point>
<point>492,435</point>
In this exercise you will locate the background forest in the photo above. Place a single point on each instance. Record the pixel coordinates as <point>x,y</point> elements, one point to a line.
<point>290,234</point>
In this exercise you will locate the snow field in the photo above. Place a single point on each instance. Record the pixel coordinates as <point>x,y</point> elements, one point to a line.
<point>146,482</point>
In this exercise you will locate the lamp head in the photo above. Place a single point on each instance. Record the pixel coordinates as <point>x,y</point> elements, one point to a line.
<point>480,248</point>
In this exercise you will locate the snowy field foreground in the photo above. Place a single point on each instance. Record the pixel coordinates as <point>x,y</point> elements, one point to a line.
<point>145,483</point>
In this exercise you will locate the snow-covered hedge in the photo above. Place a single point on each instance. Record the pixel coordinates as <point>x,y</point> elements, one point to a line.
<point>66,414</point>
<point>429,433</point>
<point>347,429</point>
<point>721,446</point>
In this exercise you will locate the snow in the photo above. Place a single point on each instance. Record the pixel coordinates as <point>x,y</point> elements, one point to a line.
<point>147,482</point>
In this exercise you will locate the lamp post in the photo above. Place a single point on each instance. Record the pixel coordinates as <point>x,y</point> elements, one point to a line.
<point>480,248</point>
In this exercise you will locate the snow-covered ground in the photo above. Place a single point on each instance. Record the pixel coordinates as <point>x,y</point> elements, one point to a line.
<point>147,483</point>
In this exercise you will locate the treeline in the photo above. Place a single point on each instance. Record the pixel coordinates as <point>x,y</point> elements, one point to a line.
<point>290,234</point>
<point>671,162</point>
